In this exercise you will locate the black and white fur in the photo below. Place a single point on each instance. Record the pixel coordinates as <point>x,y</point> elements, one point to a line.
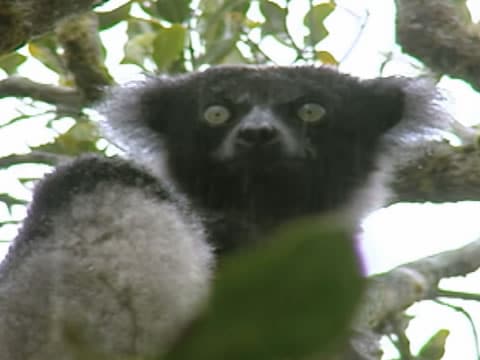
<point>121,251</point>
<point>107,262</point>
<point>294,168</point>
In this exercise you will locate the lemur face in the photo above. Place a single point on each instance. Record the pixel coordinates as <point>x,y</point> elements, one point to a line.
<point>263,135</point>
<point>234,130</point>
<point>259,119</point>
<point>257,146</point>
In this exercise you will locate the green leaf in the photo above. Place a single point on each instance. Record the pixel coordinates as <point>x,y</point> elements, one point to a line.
<point>218,51</point>
<point>10,201</point>
<point>220,36</point>
<point>10,62</point>
<point>314,21</point>
<point>216,7</point>
<point>275,18</point>
<point>326,57</point>
<point>290,297</point>
<point>238,6</point>
<point>434,348</point>
<point>138,26</point>
<point>111,18</point>
<point>234,56</point>
<point>168,46</point>
<point>80,138</point>
<point>138,48</point>
<point>44,49</point>
<point>210,6</point>
<point>174,11</point>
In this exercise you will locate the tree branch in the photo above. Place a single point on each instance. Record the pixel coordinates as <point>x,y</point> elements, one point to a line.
<point>391,293</point>
<point>401,287</point>
<point>21,20</point>
<point>56,95</point>
<point>82,53</point>
<point>441,34</point>
<point>443,174</point>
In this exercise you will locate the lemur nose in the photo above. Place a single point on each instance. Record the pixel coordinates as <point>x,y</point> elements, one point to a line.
<point>257,134</point>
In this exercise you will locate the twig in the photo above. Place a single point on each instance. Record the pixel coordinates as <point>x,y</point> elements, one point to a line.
<point>361,30</point>
<point>469,319</point>
<point>32,157</point>
<point>252,44</point>
<point>457,295</point>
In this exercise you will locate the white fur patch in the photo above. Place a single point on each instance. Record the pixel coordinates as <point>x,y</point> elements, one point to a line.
<point>422,123</point>
<point>125,281</point>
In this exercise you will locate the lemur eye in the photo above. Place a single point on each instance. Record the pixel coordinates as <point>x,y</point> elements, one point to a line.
<point>311,112</point>
<point>216,115</point>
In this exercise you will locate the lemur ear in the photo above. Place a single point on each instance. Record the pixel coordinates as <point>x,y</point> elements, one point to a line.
<point>384,99</point>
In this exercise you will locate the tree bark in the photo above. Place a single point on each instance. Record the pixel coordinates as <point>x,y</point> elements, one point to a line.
<point>441,34</point>
<point>21,20</point>
<point>444,173</point>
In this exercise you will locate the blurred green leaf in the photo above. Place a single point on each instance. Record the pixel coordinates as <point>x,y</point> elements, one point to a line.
<point>219,51</point>
<point>80,138</point>
<point>314,21</point>
<point>168,45</point>
<point>326,57</point>
<point>141,35</point>
<point>221,36</point>
<point>238,6</point>
<point>10,62</point>
<point>111,18</point>
<point>210,6</point>
<point>215,7</point>
<point>44,49</point>
<point>10,201</point>
<point>27,180</point>
<point>290,297</point>
<point>138,48</point>
<point>234,56</point>
<point>434,348</point>
<point>275,18</point>
<point>138,26</point>
<point>174,11</point>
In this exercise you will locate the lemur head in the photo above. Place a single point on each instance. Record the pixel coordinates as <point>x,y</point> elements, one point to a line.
<point>261,119</point>
<point>249,116</point>
<point>229,127</point>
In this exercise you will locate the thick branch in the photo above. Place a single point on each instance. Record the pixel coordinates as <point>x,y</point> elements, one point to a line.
<point>441,34</point>
<point>443,174</point>
<point>56,95</point>
<point>21,20</point>
<point>83,54</point>
<point>392,292</point>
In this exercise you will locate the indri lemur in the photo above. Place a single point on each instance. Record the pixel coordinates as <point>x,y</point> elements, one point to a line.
<point>123,249</point>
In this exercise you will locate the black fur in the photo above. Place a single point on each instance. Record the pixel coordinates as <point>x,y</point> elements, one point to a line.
<point>55,192</point>
<point>126,261</point>
<point>250,189</point>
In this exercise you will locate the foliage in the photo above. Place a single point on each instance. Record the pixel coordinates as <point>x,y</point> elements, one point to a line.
<point>288,298</point>
<point>176,36</point>
<point>171,36</point>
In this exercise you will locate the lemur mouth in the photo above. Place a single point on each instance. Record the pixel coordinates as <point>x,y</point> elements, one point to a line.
<point>267,157</point>
<point>266,163</point>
